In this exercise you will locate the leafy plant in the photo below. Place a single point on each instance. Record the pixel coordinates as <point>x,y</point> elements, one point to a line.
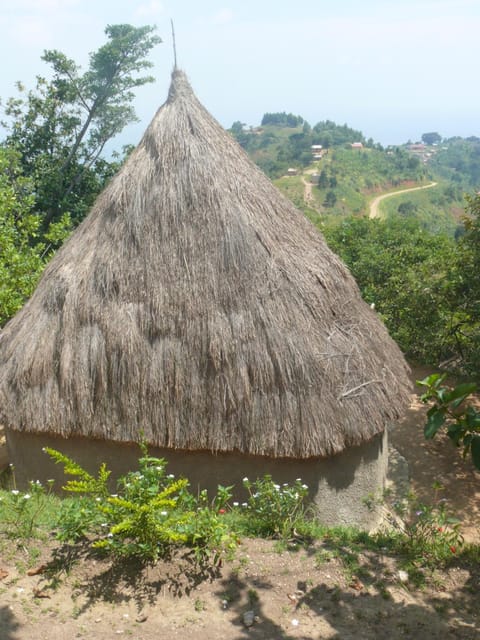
<point>275,510</point>
<point>431,532</point>
<point>151,514</point>
<point>21,512</point>
<point>462,422</point>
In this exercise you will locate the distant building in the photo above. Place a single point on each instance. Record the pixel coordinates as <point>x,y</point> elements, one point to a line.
<point>291,171</point>
<point>357,145</point>
<point>317,151</point>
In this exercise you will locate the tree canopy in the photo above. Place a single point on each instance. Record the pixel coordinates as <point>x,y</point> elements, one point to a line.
<point>61,127</point>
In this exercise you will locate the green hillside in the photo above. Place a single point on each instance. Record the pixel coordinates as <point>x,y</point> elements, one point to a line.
<point>345,180</point>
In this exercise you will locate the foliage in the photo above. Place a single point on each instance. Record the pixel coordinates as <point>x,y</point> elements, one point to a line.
<point>407,273</point>
<point>274,510</point>
<point>432,532</point>
<point>462,422</point>
<point>22,256</point>
<point>282,119</point>
<point>23,512</point>
<point>151,514</point>
<point>467,291</point>
<point>458,160</point>
<point>62,126</point>
<point>431,138</point>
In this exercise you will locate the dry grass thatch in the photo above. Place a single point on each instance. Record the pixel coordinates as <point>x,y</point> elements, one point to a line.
<point>195,304</point>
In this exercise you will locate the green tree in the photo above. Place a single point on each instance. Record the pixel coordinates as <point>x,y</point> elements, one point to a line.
<point>62,126</point>
<point>431,138</point>
<point>407,273</point>
<point>21,261</point>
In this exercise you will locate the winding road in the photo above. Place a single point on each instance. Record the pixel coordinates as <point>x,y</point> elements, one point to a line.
<point>374,205</point>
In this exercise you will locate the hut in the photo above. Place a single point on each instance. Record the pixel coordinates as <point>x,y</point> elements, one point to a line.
<point>195,307</point>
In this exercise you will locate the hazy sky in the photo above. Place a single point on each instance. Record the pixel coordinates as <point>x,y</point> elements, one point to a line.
<point>392,68</point>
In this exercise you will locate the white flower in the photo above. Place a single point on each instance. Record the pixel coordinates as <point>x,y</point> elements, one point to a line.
<point>244,504</point>
<point>15,492</point>
<point>245,479</point>
<point>109,535</point>
<point>104,524</point>
<point>27,496</point>
<point>304,486</point>
<point>277,487</point>
<point>298,480</point>
<point>170,476</point>
<point>114,495</point>
<point>163,513</point>
<point>98,499</point>
<point>235,504</point>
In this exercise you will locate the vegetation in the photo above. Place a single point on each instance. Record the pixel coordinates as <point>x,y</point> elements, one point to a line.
<point>61,127</point>
<point>153,514</point>
<point>449,410</point>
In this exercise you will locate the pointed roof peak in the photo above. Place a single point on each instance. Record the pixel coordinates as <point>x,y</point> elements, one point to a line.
<point>179,86</point>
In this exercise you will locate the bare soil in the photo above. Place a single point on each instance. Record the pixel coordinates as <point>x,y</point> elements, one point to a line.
<point>303,593</point>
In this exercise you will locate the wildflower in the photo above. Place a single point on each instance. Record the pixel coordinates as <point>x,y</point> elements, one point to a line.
<point>15,492</point>
<point>235,504</point>
<point>98,499</point>
<point>298,480</point>
<point>245,479</point>
<point>244,504</point>
<point>277,487</point>
<point>27,496</point>
<point>158,468</point>
<point>418,513</point>
<point>221,511</point>
<point>170,476</point>
<point>304,486</point>
<point>104,524</point>
<point>114,495</point>
<point>163,513</point>
<point>109,535</point>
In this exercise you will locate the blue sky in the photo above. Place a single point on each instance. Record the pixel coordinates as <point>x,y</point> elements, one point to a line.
<point>394,69</point>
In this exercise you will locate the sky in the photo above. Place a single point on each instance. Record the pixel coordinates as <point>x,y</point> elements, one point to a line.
<point>392,68</point>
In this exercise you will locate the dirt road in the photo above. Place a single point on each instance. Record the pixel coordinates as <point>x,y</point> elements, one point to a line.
<point>374,206</point>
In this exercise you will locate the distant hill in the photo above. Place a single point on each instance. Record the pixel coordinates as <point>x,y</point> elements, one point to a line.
<point>338,171</point>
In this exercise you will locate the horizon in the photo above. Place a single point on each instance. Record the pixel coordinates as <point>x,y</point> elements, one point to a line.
<point>391,72</point>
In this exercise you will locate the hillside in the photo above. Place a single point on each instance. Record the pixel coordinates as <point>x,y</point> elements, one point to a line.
<point>337,180</point>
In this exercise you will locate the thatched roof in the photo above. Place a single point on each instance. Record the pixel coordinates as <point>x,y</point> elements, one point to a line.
<point>197,306</point>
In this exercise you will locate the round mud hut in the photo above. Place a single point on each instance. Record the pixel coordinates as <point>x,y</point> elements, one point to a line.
<point>196,308</point>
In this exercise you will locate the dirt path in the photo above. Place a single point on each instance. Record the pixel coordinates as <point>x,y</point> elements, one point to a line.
<point>374,205</point>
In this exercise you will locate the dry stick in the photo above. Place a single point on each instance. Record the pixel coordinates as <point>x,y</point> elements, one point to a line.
<point>364,384</point>
<point>174,46</point>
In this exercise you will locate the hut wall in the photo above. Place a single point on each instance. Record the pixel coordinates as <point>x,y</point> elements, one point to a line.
<point>337,484</point>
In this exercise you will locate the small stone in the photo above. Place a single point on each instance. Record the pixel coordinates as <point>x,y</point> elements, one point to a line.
<point>248,618</point>
<point>403,576</point>
<point>97,620</point>
<point>141,617</point>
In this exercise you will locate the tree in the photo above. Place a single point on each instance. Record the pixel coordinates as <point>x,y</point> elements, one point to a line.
<point>330,199</point>
<point>62,126</point>
<point>21,262</point>
<point>431,138</point>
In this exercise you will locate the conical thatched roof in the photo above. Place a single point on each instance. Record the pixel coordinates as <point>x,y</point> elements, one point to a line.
<point>197,306</point>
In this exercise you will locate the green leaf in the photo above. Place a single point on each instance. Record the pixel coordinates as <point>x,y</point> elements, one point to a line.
<point>436,419</point>
<point>460,392</point>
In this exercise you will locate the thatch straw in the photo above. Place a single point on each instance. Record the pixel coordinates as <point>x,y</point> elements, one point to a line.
<point>197,306</point>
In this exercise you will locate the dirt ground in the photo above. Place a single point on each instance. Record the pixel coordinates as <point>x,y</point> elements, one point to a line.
<point>302,593</point>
